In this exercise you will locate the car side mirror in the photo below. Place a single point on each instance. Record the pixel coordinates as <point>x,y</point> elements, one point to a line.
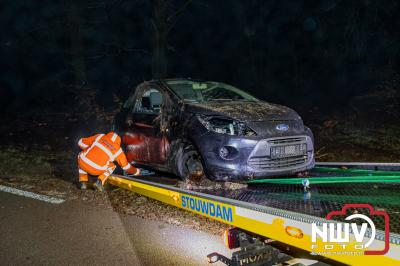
<point>129,120</point>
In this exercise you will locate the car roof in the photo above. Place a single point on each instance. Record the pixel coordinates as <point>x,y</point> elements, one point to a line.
<point>176,79</point>
<point>163,82</point>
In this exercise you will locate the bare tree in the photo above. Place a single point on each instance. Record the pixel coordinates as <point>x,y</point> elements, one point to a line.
<point>165,17</point>
<point>74,21</point>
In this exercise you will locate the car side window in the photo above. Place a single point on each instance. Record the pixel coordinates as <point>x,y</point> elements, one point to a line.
<point>150,102</point>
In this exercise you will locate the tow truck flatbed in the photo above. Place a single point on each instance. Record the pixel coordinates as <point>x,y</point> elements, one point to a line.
<point>275,210</point>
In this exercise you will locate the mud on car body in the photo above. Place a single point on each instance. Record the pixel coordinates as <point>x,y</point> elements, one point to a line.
<point>194,128</point>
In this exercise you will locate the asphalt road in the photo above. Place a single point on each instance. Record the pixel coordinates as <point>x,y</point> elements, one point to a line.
<point>33,232</point>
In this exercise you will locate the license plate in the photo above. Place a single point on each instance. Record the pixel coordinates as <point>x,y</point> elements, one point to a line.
<point>288,150</point>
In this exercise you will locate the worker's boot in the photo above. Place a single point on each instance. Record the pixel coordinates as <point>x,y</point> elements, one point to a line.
<point>82,185</point>
<point>98,186</point>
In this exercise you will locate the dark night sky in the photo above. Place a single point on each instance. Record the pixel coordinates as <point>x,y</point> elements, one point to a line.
<point>305,53</point>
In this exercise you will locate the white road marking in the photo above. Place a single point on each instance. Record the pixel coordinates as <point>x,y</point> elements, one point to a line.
<point>31,195</point>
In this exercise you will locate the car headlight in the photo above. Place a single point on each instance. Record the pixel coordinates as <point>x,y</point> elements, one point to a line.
<point>225,126</point>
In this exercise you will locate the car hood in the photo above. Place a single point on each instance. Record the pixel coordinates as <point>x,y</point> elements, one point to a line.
<point>245,111</point>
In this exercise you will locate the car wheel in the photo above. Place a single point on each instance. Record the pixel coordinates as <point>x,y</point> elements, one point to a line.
<point>189,164</point>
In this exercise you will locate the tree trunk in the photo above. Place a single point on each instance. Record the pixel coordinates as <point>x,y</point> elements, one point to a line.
<point>76,49</point>
<point>160,27</point>
<point>159,59</point>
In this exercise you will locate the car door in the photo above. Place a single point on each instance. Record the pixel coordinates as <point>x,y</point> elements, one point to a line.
<point>144,141</point>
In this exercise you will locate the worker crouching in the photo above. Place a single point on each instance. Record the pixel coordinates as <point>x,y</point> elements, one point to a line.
<point>97,157</point>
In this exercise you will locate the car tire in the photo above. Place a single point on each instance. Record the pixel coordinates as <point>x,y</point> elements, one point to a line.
<point>189,164</point>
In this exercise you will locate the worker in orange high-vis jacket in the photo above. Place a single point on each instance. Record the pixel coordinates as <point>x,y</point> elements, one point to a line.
<point>97,157</point>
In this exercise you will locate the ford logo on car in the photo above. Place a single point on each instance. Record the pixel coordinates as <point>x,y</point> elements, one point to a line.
<point>282,127</point>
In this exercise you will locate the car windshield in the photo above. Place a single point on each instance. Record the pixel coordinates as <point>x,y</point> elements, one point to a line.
<point>193,91</point>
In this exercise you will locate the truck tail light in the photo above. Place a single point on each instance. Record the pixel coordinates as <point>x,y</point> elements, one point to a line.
<point>231,238</point>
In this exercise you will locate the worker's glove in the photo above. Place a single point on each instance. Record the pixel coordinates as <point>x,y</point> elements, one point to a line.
<point>133,171</point>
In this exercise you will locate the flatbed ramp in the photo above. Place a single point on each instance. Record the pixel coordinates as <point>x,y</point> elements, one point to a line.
<point>285,212</point>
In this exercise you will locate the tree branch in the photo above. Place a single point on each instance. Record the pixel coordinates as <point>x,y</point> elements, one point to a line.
<point>155,26</point>
<point>176,16</point>
<point>179,11</point>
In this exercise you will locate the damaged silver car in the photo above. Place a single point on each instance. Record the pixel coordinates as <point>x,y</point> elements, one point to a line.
<point>195,128</point>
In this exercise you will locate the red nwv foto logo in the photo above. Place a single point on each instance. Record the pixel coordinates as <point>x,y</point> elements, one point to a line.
<point>339,233</point>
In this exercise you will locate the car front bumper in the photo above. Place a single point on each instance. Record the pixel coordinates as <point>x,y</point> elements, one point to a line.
<point>249,158</point>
